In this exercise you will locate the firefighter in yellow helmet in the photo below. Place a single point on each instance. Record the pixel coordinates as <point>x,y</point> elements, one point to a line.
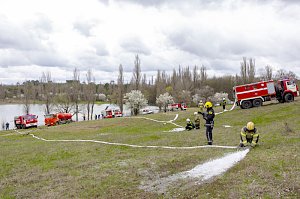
<point>249,135</point>
<point>197,120</point>
<point>201,105</point>
<point>209,121</point>
<point>189,125</point>
<point>223,103</point>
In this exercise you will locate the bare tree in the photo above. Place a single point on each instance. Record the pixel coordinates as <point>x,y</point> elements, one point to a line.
<point>137,72</point>
<point>203,75</point>
<point>247,70</point>
<point>90,94</point>
<point>267,74</point>
<point>2,92</point>
<point>282,74</point>
<point>75,90</point>
<point>27,95</point>
<point>244,70</point>
<point>47,91</point>
<point>251,70</point>
<point>63,102</point>
<point>120,87</point>
<point>195,79</point>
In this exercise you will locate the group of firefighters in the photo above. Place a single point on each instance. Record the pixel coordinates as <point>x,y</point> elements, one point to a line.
<point>248,136</point>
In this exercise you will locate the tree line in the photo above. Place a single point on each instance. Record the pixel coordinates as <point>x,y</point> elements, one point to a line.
<point>184,84</point>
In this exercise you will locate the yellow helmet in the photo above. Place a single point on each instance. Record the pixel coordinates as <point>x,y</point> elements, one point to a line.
<point>208,105</point>
<point>250,126</point>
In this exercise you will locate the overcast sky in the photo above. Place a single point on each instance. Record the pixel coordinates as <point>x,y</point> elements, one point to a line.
<point>58,35</point>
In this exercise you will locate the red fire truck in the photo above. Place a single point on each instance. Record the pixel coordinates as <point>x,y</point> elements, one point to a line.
<point>254,94</point>
<point>57,118</point>
<point>25,121</point>
<point>177,106</point>
<point>111,113</point>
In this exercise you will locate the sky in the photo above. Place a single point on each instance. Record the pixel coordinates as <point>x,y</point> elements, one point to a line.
<point>55,36</point>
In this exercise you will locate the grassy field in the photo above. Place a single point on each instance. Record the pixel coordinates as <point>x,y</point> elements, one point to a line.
<point>31,168</point>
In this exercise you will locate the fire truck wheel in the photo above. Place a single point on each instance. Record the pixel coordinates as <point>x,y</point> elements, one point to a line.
<point>246,104</point>
<point>288,97</point>
<point>257,102</point>
<point>23,126</point>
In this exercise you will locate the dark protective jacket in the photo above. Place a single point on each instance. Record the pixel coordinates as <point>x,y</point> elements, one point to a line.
<point>189,126</point>
<point>209,116</point>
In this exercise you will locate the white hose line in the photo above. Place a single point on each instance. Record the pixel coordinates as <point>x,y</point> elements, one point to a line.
<point>131,145</point>
<point>170,121</point>
<point>8,134</point>
<point>176,116</point>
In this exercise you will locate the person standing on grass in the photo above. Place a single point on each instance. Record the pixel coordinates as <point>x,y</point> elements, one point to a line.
<point>249,135</point>
<point>201,105</point>
<point>7,126</point>
<point>197,120</point>
<point>223,103</point>
<point>209,121</point>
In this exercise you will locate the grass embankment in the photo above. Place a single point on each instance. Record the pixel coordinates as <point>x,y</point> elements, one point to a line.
<point>31,168</point>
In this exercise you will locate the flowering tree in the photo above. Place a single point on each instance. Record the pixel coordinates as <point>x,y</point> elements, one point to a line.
<point>185,96</point>
<point>163,100</point>
<point>205,92</point>
<point>196,98</point>
<point>135,100</point>
<point>101,97</point>
<point>218,97</point>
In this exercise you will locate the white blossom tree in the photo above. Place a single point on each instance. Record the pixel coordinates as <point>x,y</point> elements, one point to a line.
<point>218,97</point>
<point>196,98</point>
<point>163,100</point>
<point>101,97</point>
<point>135,100</point>
<point>205,92</point>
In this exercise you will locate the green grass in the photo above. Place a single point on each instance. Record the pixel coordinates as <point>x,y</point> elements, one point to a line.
<point>30,168</point>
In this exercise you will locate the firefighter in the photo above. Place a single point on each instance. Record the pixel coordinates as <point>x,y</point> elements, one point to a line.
<point>189,125</point>
<point>197,120</point>
<point>223,103</point>
<point>249,135</point>
<point>201,105</point>
<point>209,121</point>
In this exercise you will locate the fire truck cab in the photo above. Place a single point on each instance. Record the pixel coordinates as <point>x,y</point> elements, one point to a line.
<point>25,121</point>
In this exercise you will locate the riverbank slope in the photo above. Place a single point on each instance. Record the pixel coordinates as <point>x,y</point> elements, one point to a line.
<point>33,168</point>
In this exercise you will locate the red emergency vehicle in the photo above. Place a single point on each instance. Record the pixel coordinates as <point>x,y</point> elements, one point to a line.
<point>25,121</point>
<point>111,113</point>
<point>57,118</point>
<point>177,106</point>
<point>254,94</point>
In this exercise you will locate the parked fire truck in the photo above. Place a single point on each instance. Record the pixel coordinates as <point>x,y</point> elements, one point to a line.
<point>57,118</point>
<point>26,121</point>
<point>177,106</point>
<point>111,113</point>
<point>254,94</point>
